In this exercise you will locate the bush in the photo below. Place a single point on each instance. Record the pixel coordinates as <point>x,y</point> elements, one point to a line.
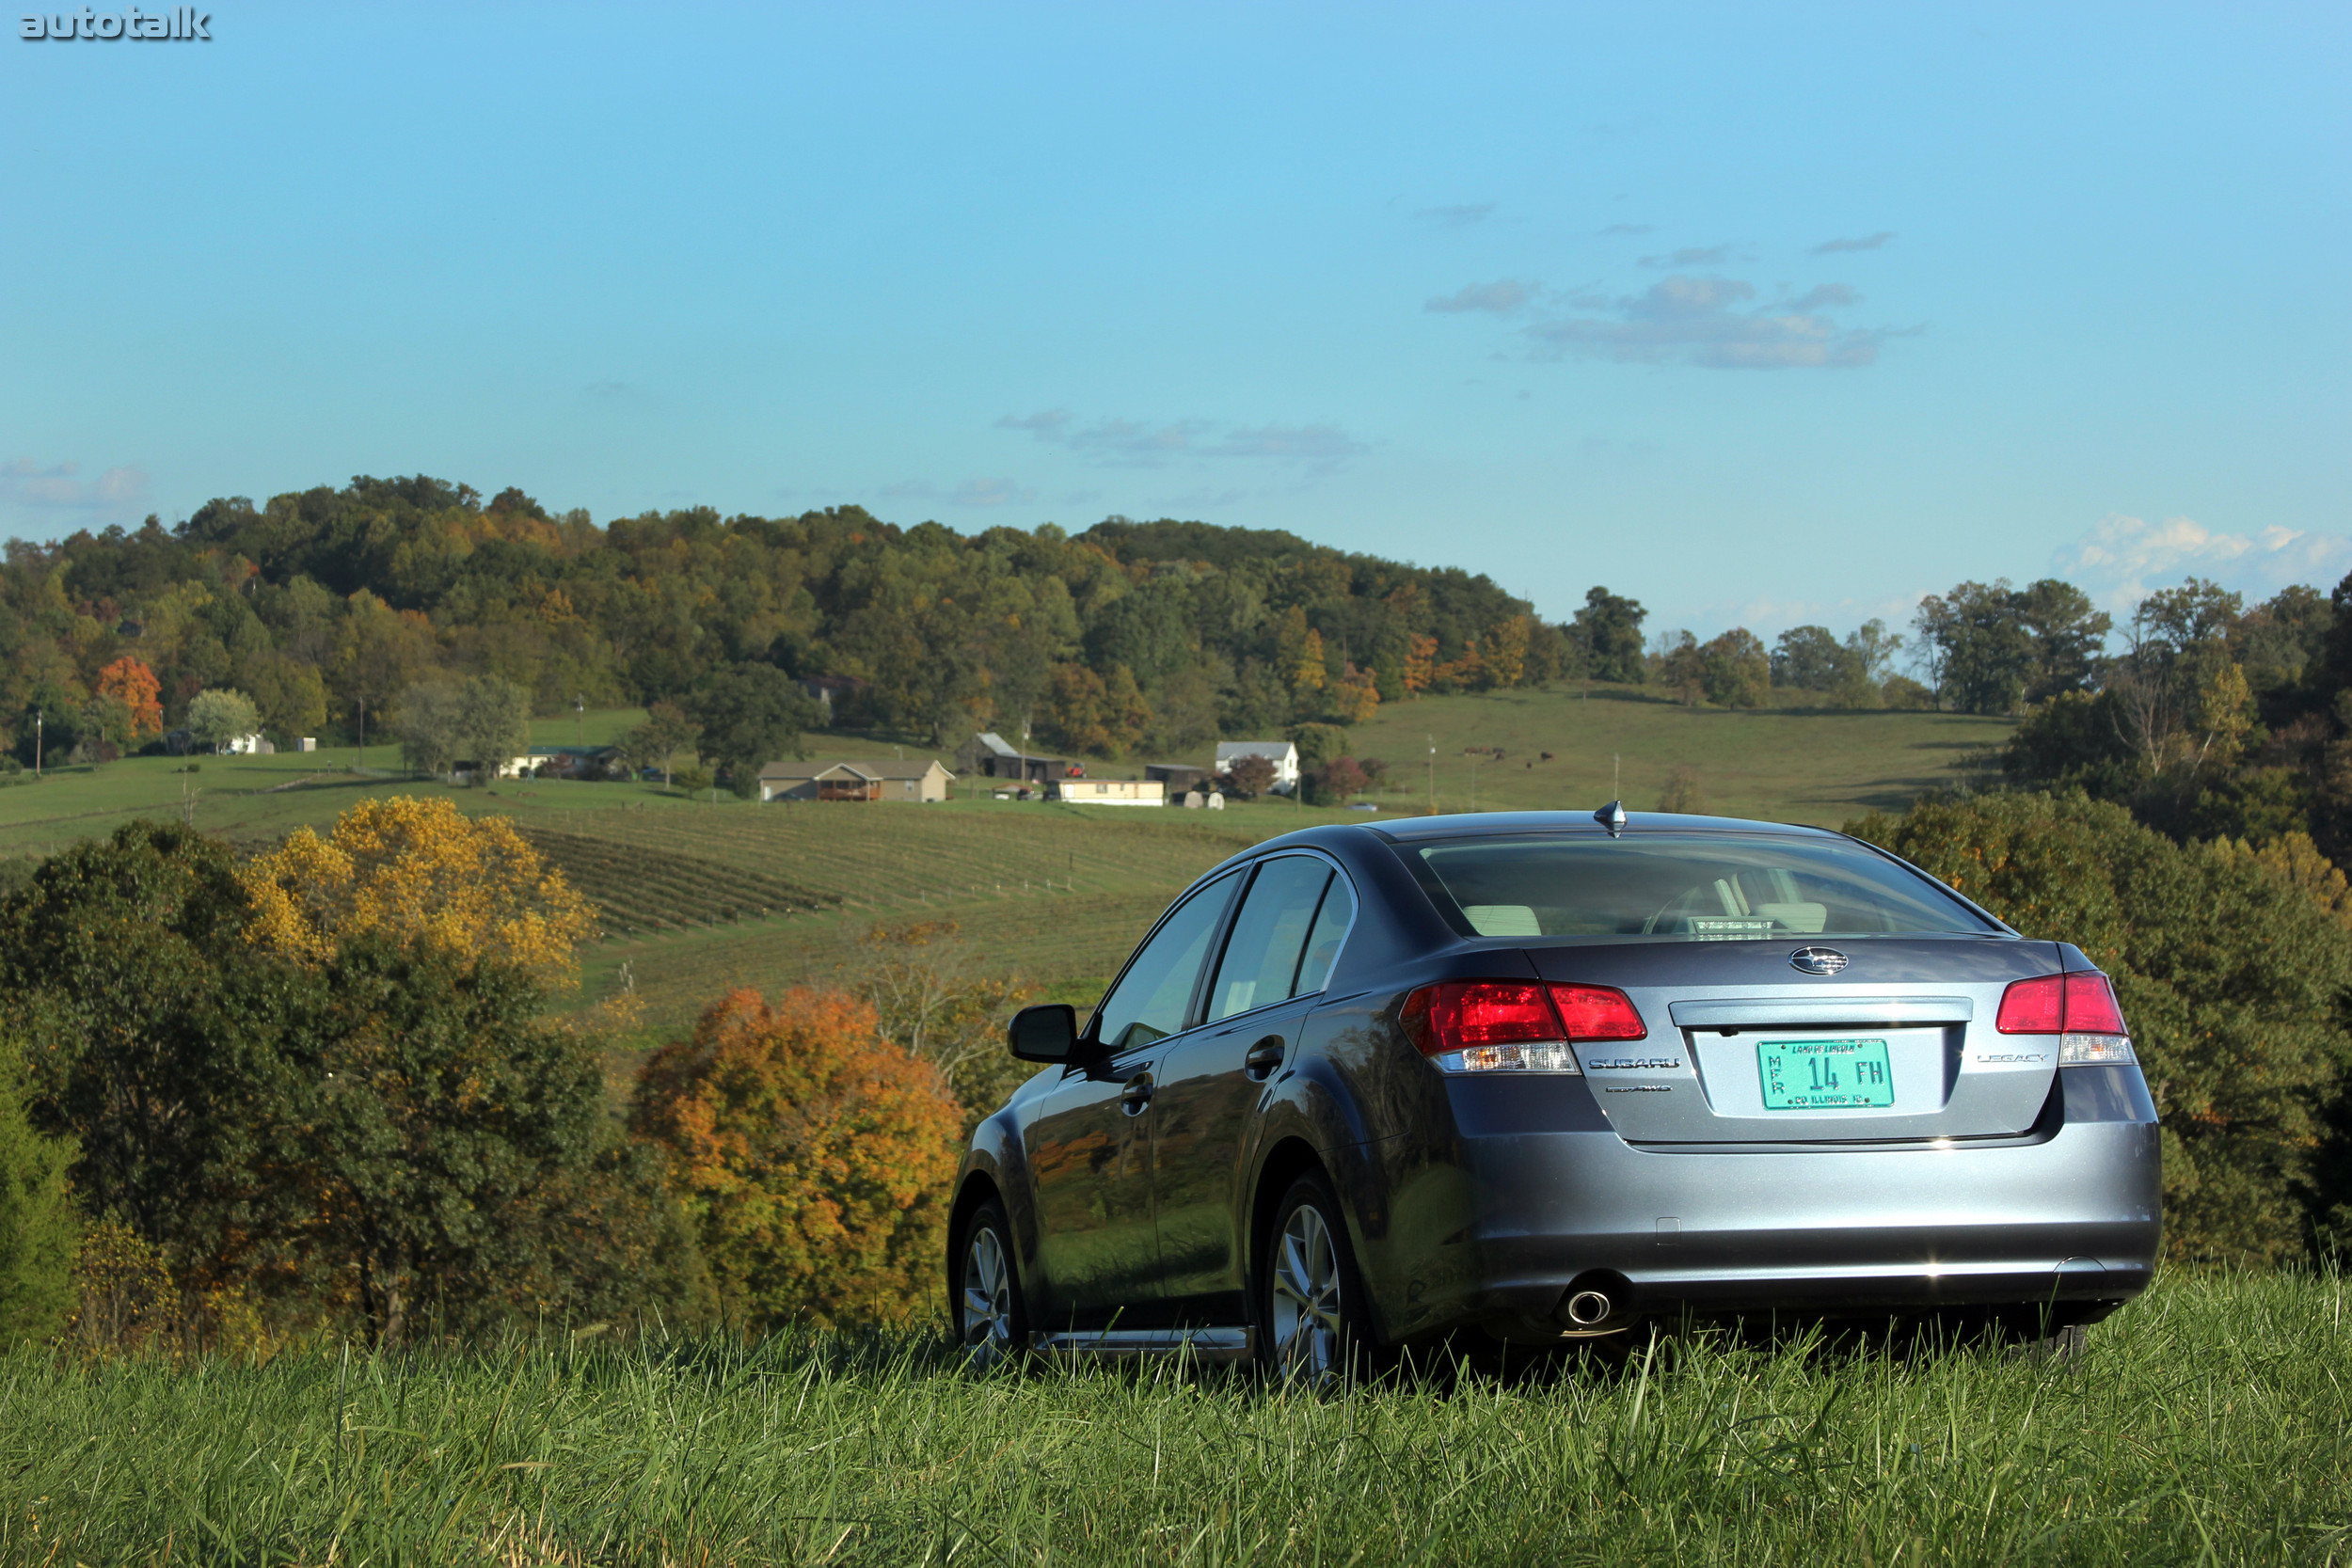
<point>2233,971</point>
<point>812,1156</point>
<point>38,1228</point>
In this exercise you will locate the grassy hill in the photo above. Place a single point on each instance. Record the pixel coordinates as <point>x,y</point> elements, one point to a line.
<point>699,896</point>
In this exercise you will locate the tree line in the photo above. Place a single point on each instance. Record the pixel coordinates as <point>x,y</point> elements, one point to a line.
<point>330,608</point>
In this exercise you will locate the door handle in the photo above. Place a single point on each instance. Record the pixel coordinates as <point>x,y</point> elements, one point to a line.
<point>1136,1094</point>
<point>1265,1057</point>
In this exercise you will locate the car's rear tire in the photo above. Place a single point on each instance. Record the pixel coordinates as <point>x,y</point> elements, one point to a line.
<point>991,1318</point>
<point>1313,1325</point>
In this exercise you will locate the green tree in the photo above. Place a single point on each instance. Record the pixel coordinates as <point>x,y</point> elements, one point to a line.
<point>1609,631</point>
<point>38,1227</point>
<point>1809,659</point>
<point>125,964</point>
<point>665,732</point>
<point>751,715</point>
<point>2243,1042</point>
<point>217,716</point>
<point>440,1136</point>
<point>1738,670</point>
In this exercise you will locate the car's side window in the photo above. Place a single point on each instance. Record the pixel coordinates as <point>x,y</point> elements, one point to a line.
<point>1150,999</point>
<point>1323,945</point>
<point>1262,956</point>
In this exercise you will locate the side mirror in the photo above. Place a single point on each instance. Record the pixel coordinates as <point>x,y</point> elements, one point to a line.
<point>1044,1034</point>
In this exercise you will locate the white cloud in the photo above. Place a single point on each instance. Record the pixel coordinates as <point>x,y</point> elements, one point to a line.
<point>985,491</point>
<point>1140,444</point>
<point>1693,256</point>
<point>57,495</point>
<point>1867,241</point>
<point>2121,560</point>
<point>1504,297</point>
<point>1460,217</point>
<point>1711,322</point>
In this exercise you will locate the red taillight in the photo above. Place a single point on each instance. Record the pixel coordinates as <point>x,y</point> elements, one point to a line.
<point>2060,1003</point>
<point>2090,1007</point>
<point>1598,1013</point>
<point>1456,1015</point>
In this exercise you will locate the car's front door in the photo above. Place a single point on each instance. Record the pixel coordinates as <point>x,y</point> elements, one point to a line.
<point>1267,980</point>
<point>1088,1141</point>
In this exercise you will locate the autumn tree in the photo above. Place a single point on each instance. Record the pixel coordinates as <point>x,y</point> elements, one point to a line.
<point>1253,775</point>
<point>421,873</point>
<point>134,685</point>
<point>812,1156</point>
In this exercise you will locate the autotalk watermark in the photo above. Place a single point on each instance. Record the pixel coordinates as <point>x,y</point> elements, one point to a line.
<point>183,23</point>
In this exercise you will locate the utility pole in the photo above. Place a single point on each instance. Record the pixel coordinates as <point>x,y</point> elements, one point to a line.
<point>37,717</point>
<point>1433,773</point>
<point>359,759</point>
<point>1616,793</point>
<point>580,709</point>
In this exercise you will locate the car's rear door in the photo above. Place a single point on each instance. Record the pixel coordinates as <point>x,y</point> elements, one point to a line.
<point>1267,978</point>
<point>1089,1140</point>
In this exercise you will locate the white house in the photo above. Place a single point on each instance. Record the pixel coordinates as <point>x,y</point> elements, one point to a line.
<point>1281,752</point>
<point>1108,792</point>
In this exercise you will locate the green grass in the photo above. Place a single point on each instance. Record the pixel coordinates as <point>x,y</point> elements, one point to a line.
<point>2208,1423</point>
<point>1784,764</point>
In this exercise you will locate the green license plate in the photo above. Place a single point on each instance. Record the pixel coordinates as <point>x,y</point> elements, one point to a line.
<point>1824,1075</point>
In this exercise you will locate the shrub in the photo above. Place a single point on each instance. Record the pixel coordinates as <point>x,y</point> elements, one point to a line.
<point>38,1228</point>
<point>812,1156</point>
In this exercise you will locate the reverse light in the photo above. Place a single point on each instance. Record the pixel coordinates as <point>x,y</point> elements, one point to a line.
<point>1512,1026</point>
<point>2079,1007</point>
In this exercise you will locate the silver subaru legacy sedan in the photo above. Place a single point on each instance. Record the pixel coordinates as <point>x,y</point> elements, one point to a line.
<point>1550,1075</point>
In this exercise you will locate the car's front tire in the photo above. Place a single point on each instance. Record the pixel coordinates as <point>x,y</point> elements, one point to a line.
<point>1313,1326</point>
<point>991,1318</point>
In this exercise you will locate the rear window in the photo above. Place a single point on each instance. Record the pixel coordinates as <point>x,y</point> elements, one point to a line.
<point>1710,887</point>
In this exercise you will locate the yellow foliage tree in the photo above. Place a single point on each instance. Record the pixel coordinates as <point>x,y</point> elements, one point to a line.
<point>812,1157</point>
<point>419,871</point>
<point>1420,661</point>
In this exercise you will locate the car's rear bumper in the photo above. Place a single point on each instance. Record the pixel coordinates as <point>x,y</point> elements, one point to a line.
<point>1504,1229</point>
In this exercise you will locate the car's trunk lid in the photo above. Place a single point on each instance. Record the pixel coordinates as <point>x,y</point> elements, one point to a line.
<point>1746,1048</point>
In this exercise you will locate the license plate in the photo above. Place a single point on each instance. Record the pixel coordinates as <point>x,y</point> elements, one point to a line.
<point>1824,1075</point>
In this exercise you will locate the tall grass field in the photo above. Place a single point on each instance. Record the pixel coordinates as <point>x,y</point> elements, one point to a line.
<point>2208,1423</point>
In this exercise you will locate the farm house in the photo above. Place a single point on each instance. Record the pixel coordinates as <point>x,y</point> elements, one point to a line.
<point>910,779</point>
<point>1282,753</point>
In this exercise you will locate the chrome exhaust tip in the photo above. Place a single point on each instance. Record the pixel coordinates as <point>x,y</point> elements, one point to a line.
<point>1587,1308</point>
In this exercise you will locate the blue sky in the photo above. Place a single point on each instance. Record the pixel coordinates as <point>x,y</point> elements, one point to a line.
<point>1763,314</point>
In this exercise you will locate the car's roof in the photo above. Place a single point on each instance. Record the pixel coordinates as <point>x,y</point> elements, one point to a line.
<point>1503,824</point>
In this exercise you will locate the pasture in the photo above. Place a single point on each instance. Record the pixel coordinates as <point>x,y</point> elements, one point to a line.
<point>2208,1423</point>
<point>700,896</point>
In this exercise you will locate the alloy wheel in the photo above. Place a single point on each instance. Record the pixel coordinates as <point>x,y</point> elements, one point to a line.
<point>986,1296</point>
<point>1307,1326</point>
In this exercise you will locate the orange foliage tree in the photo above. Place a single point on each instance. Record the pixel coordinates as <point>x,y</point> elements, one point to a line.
<point>419,872</point>
<point>134,685</point>
<point>812,1156</point>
